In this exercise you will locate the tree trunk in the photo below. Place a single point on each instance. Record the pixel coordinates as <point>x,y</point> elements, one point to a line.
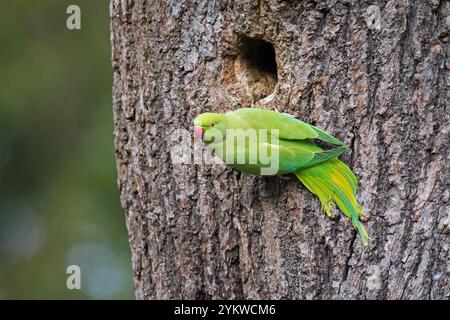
<point>202,231</point>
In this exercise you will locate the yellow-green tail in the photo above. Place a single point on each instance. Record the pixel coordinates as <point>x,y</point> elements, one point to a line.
<point>333,182</point>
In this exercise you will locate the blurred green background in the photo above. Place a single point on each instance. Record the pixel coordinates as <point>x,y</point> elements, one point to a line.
<point>59,201</point>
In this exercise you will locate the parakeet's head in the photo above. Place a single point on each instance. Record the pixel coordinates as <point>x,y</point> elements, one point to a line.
<point>209,125</point>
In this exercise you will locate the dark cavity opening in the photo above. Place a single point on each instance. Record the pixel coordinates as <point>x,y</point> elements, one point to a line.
<point>256,67</point>
<point>260,55</point>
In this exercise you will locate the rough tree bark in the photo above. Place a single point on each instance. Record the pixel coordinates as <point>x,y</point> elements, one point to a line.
<point>202,231</point>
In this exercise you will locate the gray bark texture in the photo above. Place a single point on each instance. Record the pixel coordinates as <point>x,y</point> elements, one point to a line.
<point>206,231</point>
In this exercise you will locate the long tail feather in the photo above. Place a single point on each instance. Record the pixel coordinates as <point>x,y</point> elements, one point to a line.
<point>333,182</point>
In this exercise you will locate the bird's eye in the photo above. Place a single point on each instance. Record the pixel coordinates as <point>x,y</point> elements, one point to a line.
<point>212,125</point>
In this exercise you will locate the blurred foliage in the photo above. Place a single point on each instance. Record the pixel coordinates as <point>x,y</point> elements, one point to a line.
<point>59,203</point>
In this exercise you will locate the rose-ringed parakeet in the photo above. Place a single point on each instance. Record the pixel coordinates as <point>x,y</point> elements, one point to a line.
<point>255,141</point>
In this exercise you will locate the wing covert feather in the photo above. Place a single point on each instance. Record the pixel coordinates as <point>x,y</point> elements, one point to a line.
<point>289,127</point>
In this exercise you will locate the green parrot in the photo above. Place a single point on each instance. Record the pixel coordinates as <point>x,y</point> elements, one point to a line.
<point>265,142</point>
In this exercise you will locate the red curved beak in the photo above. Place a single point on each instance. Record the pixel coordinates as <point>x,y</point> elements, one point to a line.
<point>198,132</point>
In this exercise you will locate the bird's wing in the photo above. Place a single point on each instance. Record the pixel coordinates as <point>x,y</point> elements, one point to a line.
<point>289,127</point>
<point>292,157</point>
<point>303,154</point>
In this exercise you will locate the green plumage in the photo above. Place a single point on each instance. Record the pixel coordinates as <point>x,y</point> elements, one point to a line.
<point>252,140</point>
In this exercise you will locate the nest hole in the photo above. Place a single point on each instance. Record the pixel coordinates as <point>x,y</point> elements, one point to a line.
<point>256,66</point>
